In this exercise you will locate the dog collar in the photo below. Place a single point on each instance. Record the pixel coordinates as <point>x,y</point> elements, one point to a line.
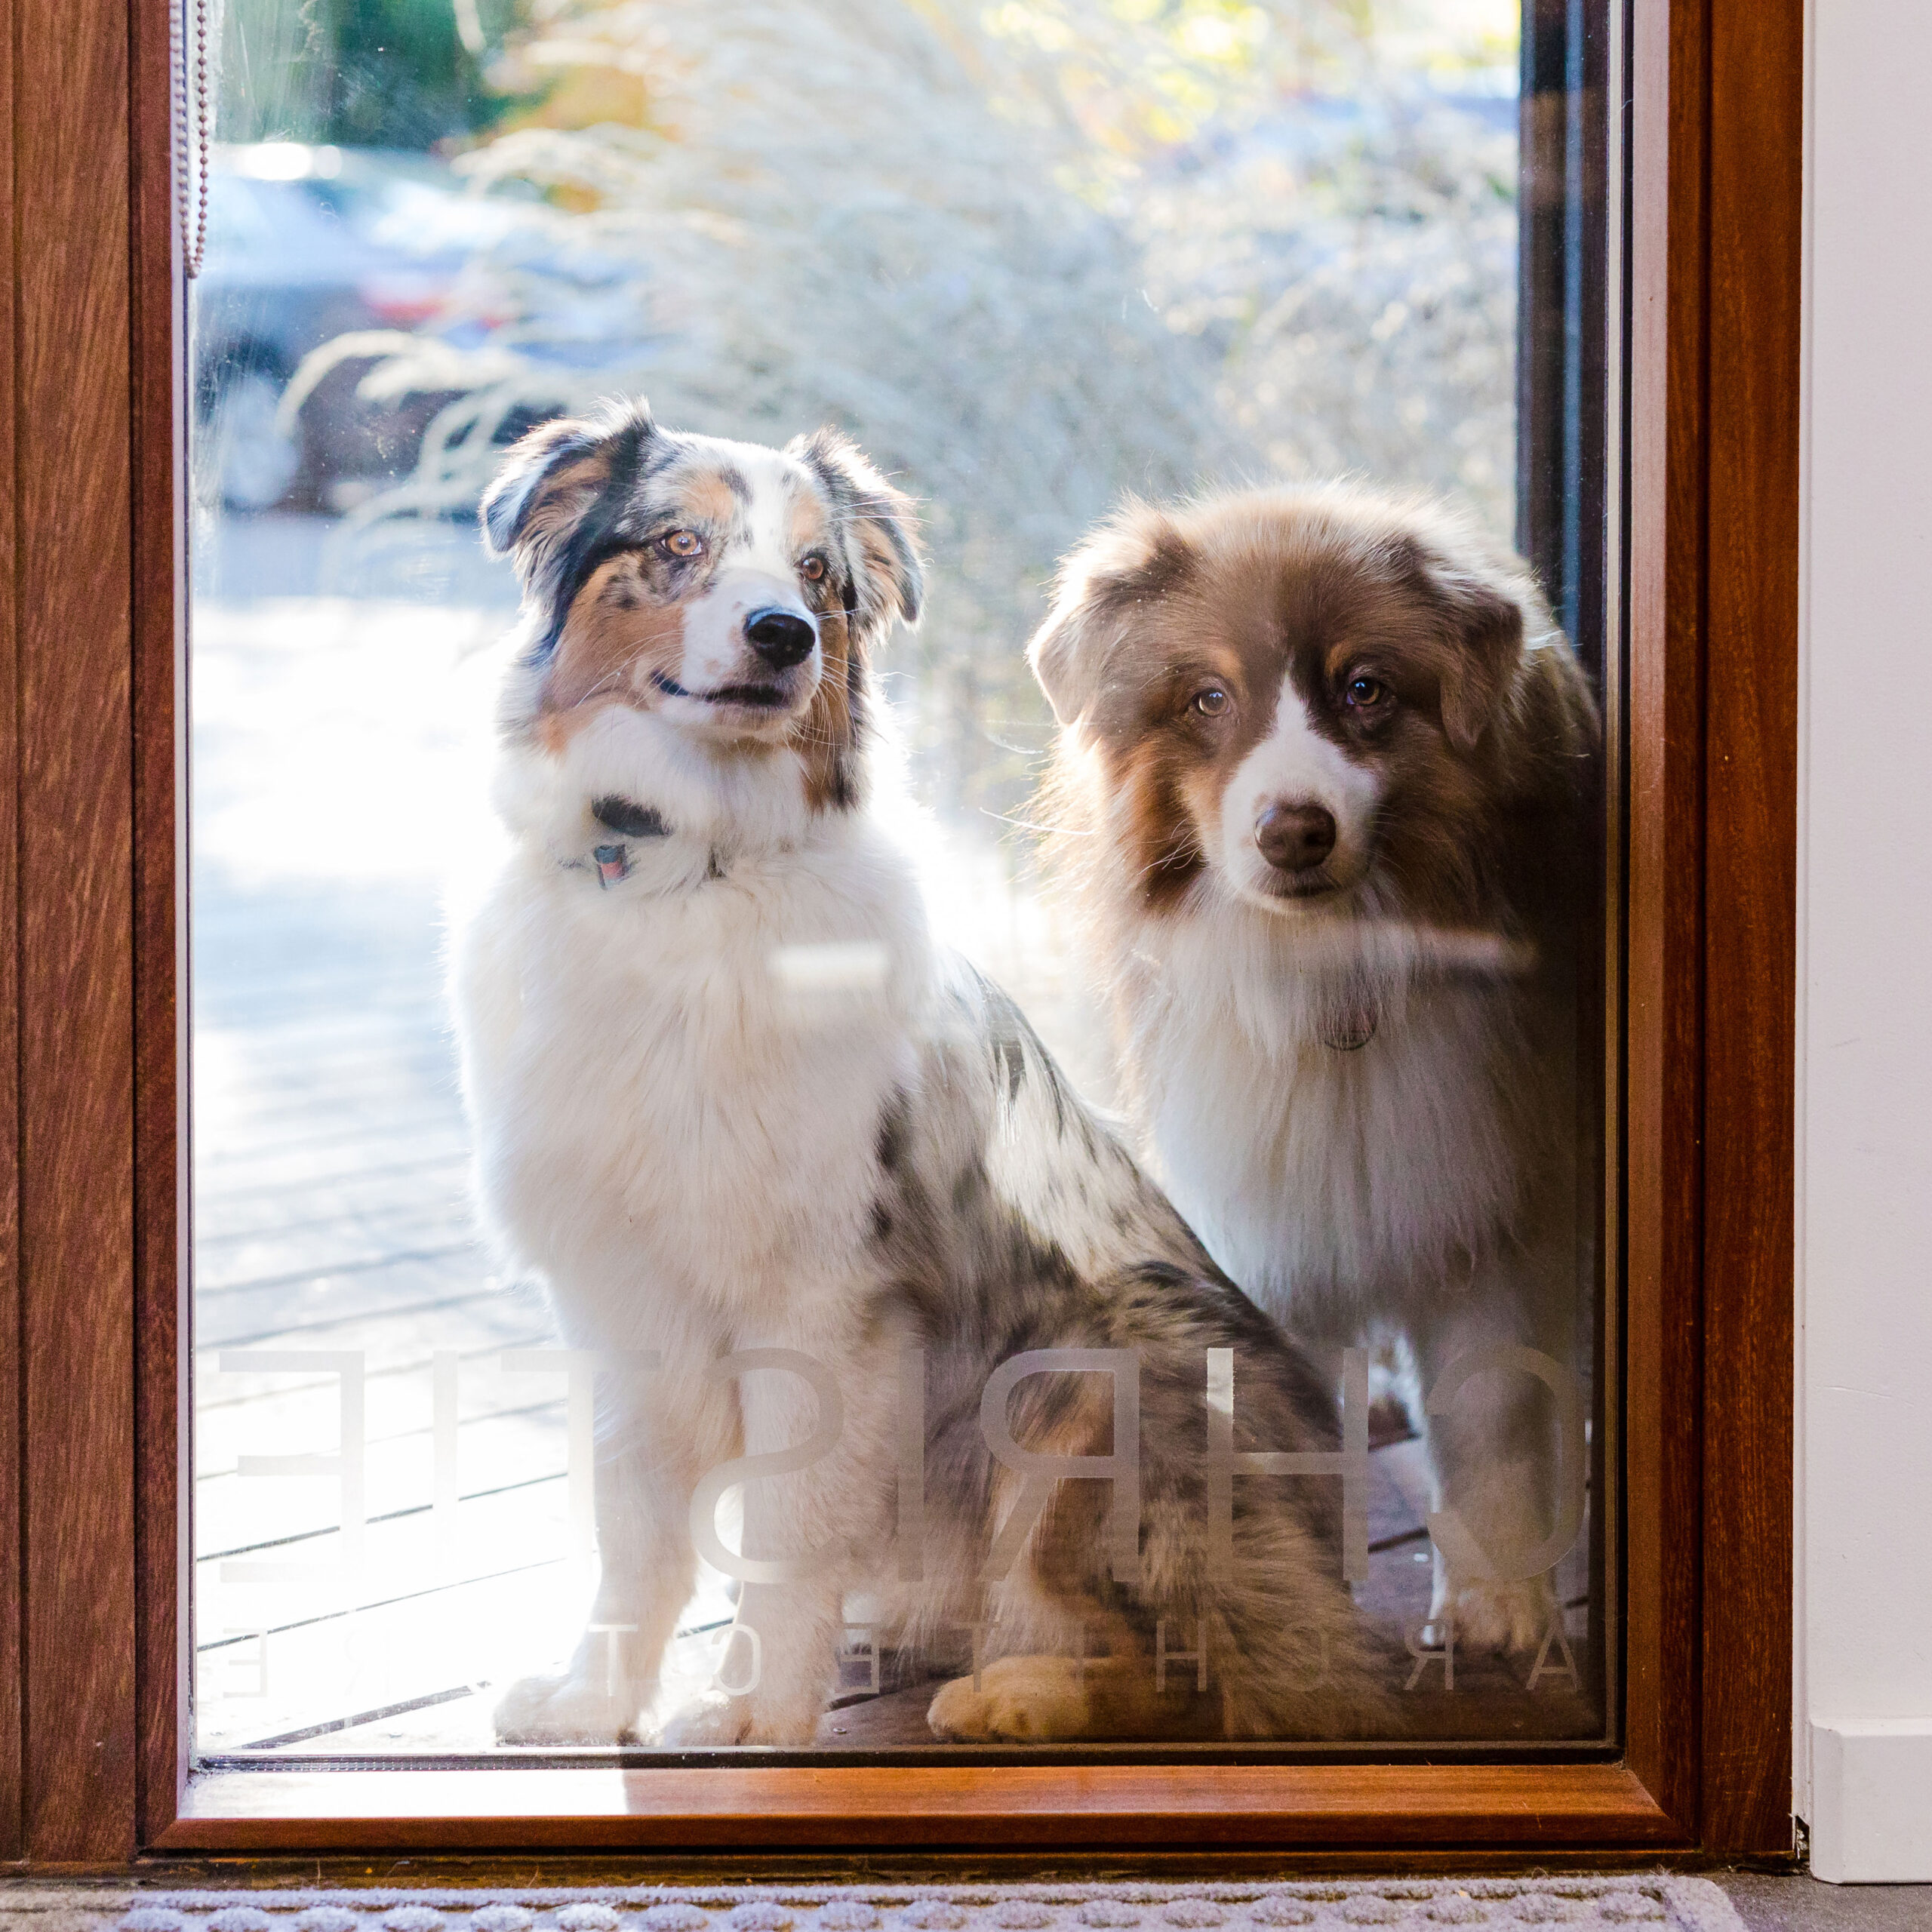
<point>612,859</point>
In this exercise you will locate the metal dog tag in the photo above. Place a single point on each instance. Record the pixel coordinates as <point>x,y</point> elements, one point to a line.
<point>1350,1028</point>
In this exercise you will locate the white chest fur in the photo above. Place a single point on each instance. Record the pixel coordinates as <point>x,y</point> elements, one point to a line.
<point>675,1126</point>
<point>1325,1179</point>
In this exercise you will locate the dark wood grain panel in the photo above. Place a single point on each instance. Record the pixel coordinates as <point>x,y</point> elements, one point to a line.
<point>1663,1149</point>
<point>1757,145</point>
<point>162,1445</point>
<point>71,462</point>
<point>1011,1807</point>
<point>1714,738</point>
<point>93,514</point>
<point>10,1200</point>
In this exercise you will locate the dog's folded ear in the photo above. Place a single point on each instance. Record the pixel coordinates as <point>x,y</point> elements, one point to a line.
<point>1481,618</point>
<point>888,577</point>
<point>1065,653</point>
<point>552,480</point>
<point>1135,557</point>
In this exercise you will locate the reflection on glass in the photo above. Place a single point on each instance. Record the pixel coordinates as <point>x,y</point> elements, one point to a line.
<point>732,1318</point>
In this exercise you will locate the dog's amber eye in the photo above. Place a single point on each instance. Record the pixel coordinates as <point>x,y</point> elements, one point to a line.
<point>682,543</point>
<point>812,569</point>
<point>1211,702</point>
<point>1365,694</point>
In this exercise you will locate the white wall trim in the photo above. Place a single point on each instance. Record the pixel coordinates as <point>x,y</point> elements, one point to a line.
<point>1871,1800</point>
<point>1863,1665</point>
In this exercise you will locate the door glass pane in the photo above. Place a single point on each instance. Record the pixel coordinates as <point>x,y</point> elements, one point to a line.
<point>773,1167</point>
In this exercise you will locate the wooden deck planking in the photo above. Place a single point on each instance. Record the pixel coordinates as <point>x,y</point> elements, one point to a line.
<point>331,1214</point>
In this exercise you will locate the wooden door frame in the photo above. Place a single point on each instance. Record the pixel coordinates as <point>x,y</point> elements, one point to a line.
<point>93,1698</point>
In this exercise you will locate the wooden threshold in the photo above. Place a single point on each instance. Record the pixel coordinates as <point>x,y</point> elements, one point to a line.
<point>1494,1806</point>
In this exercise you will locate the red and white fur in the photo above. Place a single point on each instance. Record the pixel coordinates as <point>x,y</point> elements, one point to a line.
<point>1320,789</point>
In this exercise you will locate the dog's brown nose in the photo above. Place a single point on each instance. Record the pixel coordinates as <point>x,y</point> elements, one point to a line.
<point>1294,837</point>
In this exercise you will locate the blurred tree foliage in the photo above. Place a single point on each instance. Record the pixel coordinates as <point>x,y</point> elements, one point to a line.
<point>1033,254</point>
<point>365,73</point>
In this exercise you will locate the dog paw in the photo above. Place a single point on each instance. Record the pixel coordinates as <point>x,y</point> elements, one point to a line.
<point>1023,1700</point>
<point>714,1721</point>
<point>564,1710</point>
<point>708,1723</point>
<point>1498,1617</point>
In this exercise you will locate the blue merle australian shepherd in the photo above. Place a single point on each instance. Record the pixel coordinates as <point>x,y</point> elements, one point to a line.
<point>816,1194</point>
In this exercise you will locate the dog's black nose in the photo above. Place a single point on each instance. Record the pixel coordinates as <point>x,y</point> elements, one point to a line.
<point>1294,837</point>
<point>780,637</point>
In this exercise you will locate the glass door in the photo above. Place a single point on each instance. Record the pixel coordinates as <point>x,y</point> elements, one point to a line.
<point>904,943</point>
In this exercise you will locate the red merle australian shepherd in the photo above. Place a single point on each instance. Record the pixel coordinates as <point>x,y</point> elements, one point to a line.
<point>1321,779</point>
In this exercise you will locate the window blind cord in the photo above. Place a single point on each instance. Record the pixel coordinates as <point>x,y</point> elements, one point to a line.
<point>191,128</point>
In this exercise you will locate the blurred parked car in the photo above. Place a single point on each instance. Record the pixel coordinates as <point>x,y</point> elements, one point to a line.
<point>306,245</point>
<point>350,250</point>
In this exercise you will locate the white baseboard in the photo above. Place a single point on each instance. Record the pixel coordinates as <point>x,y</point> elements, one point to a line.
<point>1872,1800</point>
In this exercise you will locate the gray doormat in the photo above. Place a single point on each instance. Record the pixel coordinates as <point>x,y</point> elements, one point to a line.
<point>1658,1900</point>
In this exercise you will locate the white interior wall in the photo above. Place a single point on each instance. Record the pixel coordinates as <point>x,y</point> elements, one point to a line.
<point>1864,1661</point>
